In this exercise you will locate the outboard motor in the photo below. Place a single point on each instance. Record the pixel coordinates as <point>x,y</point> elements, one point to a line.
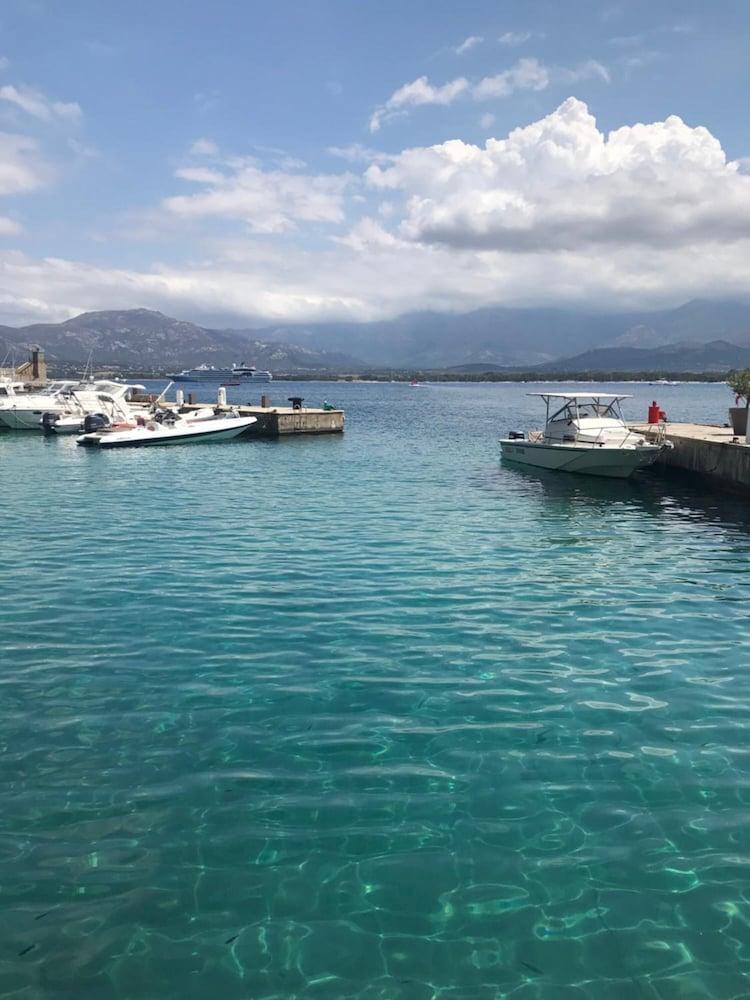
<point>95,422</point>
<point>49,419</point>
<point>516,435</point>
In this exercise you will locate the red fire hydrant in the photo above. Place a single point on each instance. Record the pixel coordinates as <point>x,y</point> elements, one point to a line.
<point>654,413</point>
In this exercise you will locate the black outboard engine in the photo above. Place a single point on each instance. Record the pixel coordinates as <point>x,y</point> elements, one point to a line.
<point>516,435</point>
<point>95,422</point>
<point>49,419</point>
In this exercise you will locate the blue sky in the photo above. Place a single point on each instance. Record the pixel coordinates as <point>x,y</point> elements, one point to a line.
<point>288,162</point>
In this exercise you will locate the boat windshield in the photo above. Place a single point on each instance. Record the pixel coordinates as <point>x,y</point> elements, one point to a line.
<point>601,409</point>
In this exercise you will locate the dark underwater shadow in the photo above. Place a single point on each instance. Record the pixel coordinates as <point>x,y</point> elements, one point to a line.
<point>653,492</point>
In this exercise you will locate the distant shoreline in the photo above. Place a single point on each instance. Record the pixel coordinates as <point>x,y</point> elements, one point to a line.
<point>441,375</point>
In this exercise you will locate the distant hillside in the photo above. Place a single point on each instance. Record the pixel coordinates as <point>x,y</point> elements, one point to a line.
<point>512,337</point>
<point>697,322</point>
<point>716,356</point>
<point>494,336</point>
<point>148,340</point>
<point>697,336</point>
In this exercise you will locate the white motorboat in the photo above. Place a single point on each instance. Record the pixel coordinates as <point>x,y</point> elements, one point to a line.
<point>584,432</point>
<point>166,426</point>
<point>23,410</point>
<point>113,408</point>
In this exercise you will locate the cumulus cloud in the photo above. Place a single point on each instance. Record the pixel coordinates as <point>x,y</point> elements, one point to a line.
<point>526,74</point>
<point>556,212</point>
<point>267,201</point>
<point>562,185</point>
<point>36,104</point>
<point>469,43</point>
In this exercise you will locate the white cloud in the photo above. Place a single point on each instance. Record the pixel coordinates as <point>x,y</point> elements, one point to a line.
<point>36,104</point>
<point>82,150</point>
<point>525,74</point>
<point>22,168</point>
<point>419,91</point>
<point>204,147</point>
<point>9,227</point>
<point>267,201</point>
<point>469,43</point>
<point>561,185</point>
<point>556,212</point>
<point>588,70</point>
<point>514,37</point>
<point>357,153</point>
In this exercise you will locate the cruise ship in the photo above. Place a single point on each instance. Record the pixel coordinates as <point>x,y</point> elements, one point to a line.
<point>237,373</point>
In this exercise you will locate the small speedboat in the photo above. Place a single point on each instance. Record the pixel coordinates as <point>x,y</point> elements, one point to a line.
<point>164,426</point>
<point>585,433</point>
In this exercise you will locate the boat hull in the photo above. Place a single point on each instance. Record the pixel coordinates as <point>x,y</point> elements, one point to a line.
<point>17,419</point>
<point>144,438</point>
<point>64,425</point>
<point>221,377</point>
<point>614,463</point>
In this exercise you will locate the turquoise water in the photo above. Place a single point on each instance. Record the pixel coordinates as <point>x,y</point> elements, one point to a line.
<point>372,716</point>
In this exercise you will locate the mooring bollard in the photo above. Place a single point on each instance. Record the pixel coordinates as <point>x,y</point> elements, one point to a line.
<point>190,399</point>
<point>221,396</point>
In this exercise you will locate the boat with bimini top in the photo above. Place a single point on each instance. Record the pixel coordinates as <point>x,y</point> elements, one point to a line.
<point>24,411</point>
<point>584,432</point>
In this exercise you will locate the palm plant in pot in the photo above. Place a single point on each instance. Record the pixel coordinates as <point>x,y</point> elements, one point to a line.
<point>738,381</point>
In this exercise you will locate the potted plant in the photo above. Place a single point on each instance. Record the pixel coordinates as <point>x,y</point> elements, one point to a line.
<point>738,381</point>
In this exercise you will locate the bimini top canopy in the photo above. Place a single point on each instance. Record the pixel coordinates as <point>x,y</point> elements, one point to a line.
<point>580,395</point>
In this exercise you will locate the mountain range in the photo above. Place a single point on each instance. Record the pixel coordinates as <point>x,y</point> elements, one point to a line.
<point>145,340</point>
<point>701,335</point>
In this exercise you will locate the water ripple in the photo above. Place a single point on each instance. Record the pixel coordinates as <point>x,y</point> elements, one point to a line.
<point>374,717</point>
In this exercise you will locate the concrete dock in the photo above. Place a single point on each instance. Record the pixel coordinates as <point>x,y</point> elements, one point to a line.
<point>282,421</point>
<point>713,452</point>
